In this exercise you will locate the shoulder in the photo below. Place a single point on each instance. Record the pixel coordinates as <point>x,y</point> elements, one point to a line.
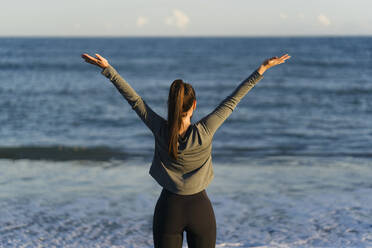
<point>200,128</point>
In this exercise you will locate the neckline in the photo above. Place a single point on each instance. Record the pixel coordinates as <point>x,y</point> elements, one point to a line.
<point>188,130</point>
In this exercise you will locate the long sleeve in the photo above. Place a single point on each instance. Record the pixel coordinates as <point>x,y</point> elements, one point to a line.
<point>215,119</point>
<point>152,120</point>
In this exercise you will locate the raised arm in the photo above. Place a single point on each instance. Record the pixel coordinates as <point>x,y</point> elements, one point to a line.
<point>215,119</point>
<point>152,120</point>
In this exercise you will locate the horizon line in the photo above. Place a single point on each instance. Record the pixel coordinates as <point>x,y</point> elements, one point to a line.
<point>187,36</point>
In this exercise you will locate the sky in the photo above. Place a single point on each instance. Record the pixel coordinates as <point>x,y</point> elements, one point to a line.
<point>185,17</point>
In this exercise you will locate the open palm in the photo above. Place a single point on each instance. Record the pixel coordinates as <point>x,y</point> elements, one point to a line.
<point>275,61</point>
<point>98,60</point>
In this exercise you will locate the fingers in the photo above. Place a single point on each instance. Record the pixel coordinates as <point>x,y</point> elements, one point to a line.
<point>87,56</point>
<point>98,61</point>
<point>276,60</point>
<point>99,56</point>
<point>89,59</point>
<point>103,63</point>
<point>285,57</point>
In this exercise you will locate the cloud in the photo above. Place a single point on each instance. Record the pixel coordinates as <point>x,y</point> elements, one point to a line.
<point>141,21</point>
<point>324,20</point>
<point>283,16</point>
<point>178,19</point>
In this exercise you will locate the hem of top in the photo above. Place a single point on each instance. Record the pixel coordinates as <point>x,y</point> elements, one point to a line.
<point>198,192</point>
<point>184,192</point>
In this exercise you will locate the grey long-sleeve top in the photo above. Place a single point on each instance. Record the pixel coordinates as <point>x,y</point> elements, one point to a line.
<point>192,171</point>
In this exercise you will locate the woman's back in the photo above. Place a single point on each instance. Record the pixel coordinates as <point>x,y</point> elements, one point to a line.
<point>192,171</point>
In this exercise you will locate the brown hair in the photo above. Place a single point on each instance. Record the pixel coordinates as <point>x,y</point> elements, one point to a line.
<point>180,100</point>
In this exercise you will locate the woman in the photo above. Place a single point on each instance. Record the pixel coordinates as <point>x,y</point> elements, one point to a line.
<point>182,162</point>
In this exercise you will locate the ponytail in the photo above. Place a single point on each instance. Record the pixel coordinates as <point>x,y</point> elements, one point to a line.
<point>180,96</point>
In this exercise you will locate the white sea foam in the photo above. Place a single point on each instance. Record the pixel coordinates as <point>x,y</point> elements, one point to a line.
<point>73,204</point>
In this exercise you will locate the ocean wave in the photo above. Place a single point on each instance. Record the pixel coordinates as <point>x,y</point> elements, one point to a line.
<point>62,153</point>
<point>106,153</point>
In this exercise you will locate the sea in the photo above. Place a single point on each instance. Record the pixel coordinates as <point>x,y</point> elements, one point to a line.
<point>292,164</point>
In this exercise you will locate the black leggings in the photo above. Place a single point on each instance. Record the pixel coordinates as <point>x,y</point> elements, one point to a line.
<point>177,213</point>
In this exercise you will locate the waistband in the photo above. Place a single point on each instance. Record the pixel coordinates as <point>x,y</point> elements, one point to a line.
<point>169,193</point>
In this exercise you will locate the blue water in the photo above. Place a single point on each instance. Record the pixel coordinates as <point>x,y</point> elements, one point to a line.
<point>294,158</point>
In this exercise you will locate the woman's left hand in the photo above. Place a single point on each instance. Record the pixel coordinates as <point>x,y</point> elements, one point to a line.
<point>98,60</point>
<point>274,61</point>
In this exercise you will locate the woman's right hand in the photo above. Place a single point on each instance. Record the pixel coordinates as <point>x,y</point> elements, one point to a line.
<point>271,62</point>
